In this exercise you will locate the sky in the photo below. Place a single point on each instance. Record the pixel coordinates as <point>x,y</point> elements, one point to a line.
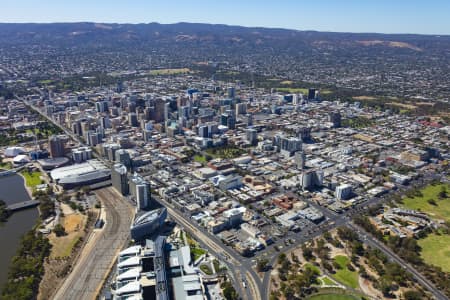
<point>383,16</point>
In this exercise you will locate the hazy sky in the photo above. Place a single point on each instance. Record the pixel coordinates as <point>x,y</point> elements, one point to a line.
<point>387,16</point>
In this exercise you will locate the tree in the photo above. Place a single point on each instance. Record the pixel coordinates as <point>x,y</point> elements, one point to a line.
<point>229,292</point>
<point>59,230</point>
<point>413,295</point>
<point>443,193</point>
<point>281,258</point>
<point>307,253</point>
<point>261,265</point>
<point>4,213</point>
<point>432,202</point>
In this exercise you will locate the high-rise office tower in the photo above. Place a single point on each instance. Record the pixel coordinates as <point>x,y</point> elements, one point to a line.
<point>241,109</point>
<point>335,118</point>
<point>300,159</point>
<point>231,91</point>
<point>123,157</point>
<point>311,94</point>
<point>251,136</point>
<point>119,179</point>
<point>133,120</point>
<point>56,145</point>
<point>101,106</point>
<point>304,133</point>
<point>140,190</point>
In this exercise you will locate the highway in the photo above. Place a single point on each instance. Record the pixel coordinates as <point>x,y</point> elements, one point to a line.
<point>100,252</point>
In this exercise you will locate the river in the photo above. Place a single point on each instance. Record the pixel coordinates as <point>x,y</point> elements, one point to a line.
<point>12,190</point>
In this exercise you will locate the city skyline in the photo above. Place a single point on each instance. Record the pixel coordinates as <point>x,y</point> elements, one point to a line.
<point>415,17</point>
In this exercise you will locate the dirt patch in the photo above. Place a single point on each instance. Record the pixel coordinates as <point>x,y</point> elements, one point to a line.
<point>64,251</point>
<point>62,246</point>
<point>424,103</point>
<point>393,44</point>
<point>368,289</point>
<point>364,98</point>
<point>403,105</point>
<point>74,222</point>
<point>66,209</point>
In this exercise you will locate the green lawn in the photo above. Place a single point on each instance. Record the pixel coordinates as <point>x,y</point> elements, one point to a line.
<point>197,252</point>
<point>436,250</point>
<point>292,90</point>
<point>228,152</point>
<point>327,281</point>
<point>333,297</point>
<point>5,165</point>
<point>344,275</point>
<point>312,267</point>
<point>200,158</point>
<point>207,270</point>
<point>32,179</point>
<point>439,211</point>
<point>300,90</point>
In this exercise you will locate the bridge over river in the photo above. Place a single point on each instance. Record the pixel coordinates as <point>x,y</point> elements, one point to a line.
<point>22,205</point>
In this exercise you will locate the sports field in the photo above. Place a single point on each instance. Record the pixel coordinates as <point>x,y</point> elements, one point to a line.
<point>439,211</point>
<point>436,250</point>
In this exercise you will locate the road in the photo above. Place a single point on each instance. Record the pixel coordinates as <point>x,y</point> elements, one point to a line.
<point>231,259</point>
<point>335,220</point>
<point>99,254</point>
<point>374,243</point>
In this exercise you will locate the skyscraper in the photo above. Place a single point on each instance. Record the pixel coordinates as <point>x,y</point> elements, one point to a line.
<point>56,145</point>
<point>311,94</point>
<point>140,190</point>
<point>231,91</point>
<point>133,120</point>
<point>123,157</point>
<point>251,136</point>
<point>335,118</point>
<point>300,159</point>
<point>119,179</point>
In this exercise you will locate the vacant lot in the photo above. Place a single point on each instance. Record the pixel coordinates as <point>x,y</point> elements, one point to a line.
<point>344,275</point>
<point>436,250</point>
<point>62,246</point>
<point>439,211</point>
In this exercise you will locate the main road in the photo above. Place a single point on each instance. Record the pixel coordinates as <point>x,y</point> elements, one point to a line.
<point>101,250</point>
<point>392,256</point>
<point>232,260</point>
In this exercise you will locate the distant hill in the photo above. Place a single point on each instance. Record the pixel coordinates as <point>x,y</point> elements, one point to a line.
<point>385,62</point>
<point>73,33</point>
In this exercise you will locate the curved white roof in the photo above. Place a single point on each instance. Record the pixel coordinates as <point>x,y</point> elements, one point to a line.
<point>130,274</point>
<point>22,158</point>
<point>133,287</point>
<point>13,151</point>
<point>131,250</point>
<point>132,261</point>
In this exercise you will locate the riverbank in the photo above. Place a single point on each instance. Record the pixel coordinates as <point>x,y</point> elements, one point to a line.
<point>18,224</point>
<point>27,268</point>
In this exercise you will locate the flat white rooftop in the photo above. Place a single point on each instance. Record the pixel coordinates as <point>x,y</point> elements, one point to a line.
<point>78,169</point>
